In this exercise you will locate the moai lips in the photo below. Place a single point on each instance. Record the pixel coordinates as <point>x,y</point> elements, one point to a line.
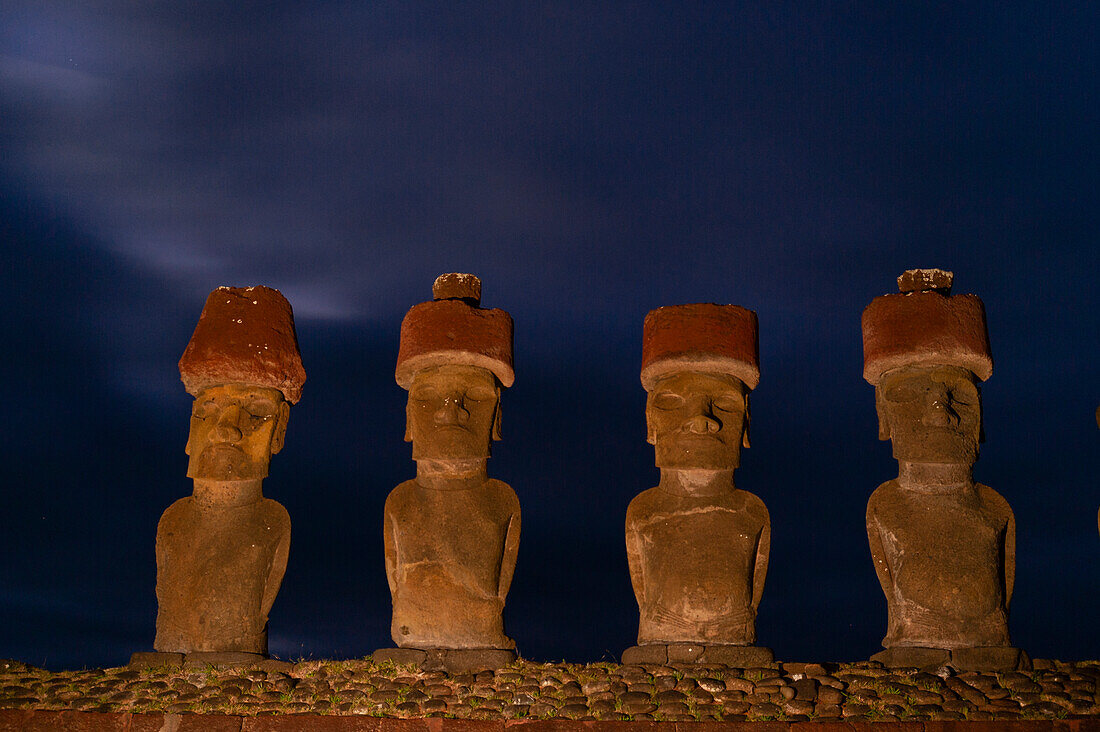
<point>222,552</point>
<point>943,545</point>
<point>452,534</point>
<point>697,546</point>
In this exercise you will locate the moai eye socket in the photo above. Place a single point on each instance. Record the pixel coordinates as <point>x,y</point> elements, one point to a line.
<point>906,390</point>
<point>261,406</point>
<point>204,409</point>
<point>729,402</point>
<point>480,394</point>
<point>667,400</point>
<point>423,393</point>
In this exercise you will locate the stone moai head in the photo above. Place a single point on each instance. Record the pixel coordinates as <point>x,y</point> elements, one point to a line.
<point>454,358</point>
<point>243,367</point>
<point>925,352</point>
<point>699,363</point>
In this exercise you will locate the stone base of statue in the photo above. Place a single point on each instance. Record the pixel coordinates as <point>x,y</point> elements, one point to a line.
<point>726,655</point>
<point>451,660</point>
<point>982,659</point>
<point>204,660</point>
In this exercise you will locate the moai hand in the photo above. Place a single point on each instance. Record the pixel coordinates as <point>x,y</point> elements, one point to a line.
<point>697,546</point>
<point>452,534</point>
<point>222,552</point>
<point>944,547</point>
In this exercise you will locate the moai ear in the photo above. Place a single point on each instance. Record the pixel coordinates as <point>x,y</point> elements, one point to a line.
<point>190,424</point>
<point>496,419</point>
<point>981,415</point>
<point>408,420</point>
<point>650,430</point>
<point>279,435</point>
<point>748,418</point>
<point>880,409</point>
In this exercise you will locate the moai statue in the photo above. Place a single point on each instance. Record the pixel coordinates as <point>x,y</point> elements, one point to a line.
<point>452,533</point>
<point>222,551</point>
<point>697,546</point>
<point>944,547</point>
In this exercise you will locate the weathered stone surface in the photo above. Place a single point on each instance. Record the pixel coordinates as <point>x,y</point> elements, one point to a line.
<point>222,552</point>
<point>457,286</point>
<point>410,656</point>
<point>943,546</point>
<point>184,723</point>
<point>219,567</point>
<point>697,546</point>
<point>145,659</point>
<point>926,280</point>
<point>700,337</point>
<point>204,659</point>
<point>913,657</point>
<point>739,656</point>
<point>452,534</point>
<point>461,661</point>
<point>926,329</point>
<point>245,335</point>
<point>990,659</point>
<point>227,696</point>
<point>313,723</point>
<point>454,330</point>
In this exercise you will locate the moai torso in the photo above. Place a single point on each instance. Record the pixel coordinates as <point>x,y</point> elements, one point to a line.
<point>450,555</point>
<point>697,564</point>
<point>218,572</point>
<point>941,560</point>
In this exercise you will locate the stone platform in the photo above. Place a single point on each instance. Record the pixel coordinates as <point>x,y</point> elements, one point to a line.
<point>40,721</point>
<point>356,694</point>
<point>725,655</point>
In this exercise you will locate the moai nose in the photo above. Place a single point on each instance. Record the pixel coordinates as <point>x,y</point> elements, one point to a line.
<point>939,412</point>
<point>227,428</point>
<point>451,412</point>
<point>701,424</point>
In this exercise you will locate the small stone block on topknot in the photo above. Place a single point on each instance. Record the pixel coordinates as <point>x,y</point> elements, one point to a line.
<point>926,280</point>
<point>457,286</point>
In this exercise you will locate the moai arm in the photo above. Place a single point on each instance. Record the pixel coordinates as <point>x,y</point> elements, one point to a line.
<point>634,557</point>
<point>878,552</point>
<point>389,541</point>
<point>760,572</point>
<point>278,564</point>
<point>1010,558</point>
<point>511,551</point>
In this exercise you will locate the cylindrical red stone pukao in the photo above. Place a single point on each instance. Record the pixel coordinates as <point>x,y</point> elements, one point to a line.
<point>245,335</point>
<point>924,329</point>
<point>455,330</point>
<point>700,337</point>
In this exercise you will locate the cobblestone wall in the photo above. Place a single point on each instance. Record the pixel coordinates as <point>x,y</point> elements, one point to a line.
<point>363,691</point>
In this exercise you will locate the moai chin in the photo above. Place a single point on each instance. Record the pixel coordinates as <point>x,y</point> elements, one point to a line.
<point>222,551</point>
<point>452,533</point>
<point>944,547</point>
<point>697,546</point>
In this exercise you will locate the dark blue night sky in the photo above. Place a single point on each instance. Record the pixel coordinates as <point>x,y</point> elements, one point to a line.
<point>590,162</point>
